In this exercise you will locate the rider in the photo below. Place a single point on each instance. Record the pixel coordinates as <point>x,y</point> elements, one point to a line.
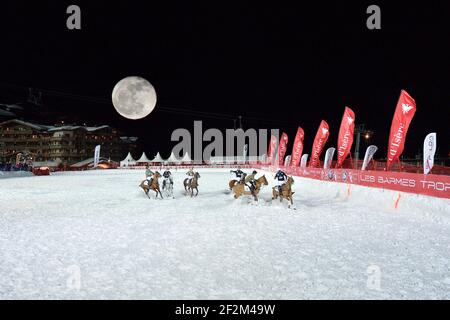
<point>191,173</point>
<point>149,175</point>
<point>250,181</point>
<point>168,175</point>
<point>281,178</point>
<point>244,176</point>
<point>239,173</point>
<point>148,172</point>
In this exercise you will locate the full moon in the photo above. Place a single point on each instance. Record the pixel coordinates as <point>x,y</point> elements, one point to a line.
<point>134,98</point>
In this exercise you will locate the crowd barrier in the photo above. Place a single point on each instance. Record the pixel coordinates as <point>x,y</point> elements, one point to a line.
<point>429,185</point>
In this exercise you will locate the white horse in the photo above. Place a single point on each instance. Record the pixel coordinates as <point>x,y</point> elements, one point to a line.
<point>168,187</point>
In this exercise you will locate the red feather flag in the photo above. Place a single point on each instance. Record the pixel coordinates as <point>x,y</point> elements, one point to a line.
<point>319,143</point>
<point>404,113</point>
<point>346,132</point>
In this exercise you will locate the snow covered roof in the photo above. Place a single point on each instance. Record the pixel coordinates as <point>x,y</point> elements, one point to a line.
<point>129,139</point>
<point>173,159</point>
<point>158,159</point>
<point>6,113</point>
<point>50,164</point>
<point>186,158</point>
<point>143,158</point>
<point>91,129</point>
<point>41,127</point>
<point>70,128</point>
<point>27,124</point>
<point>11,106</point>
<point>129,158</point>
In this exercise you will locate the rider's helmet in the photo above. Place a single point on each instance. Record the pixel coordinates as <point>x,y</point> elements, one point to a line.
<point>254,172</point>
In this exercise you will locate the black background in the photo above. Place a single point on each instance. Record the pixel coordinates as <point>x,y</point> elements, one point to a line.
<point>286,65</point>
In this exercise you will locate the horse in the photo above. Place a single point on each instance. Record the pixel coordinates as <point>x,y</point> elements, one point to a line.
<point>192,183</point>
<point>286,192</point>
<point>232,183</point>
<point>154,186</point>
<point>168,187</point>
<point>239,188</point>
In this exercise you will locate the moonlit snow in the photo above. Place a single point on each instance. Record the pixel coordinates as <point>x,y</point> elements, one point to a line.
<point>95,235</point>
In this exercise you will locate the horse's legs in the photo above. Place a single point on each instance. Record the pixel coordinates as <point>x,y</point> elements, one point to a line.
<point>274,194</point>
<point>197,192</point>
<point>145,190</point>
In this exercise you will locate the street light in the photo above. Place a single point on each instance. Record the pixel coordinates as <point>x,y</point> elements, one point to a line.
<point>367,134</point>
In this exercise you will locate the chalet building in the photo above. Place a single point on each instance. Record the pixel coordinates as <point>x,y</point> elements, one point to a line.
<point>65,145</point>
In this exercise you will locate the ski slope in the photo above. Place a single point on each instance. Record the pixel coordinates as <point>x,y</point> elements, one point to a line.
<point>95,235</point>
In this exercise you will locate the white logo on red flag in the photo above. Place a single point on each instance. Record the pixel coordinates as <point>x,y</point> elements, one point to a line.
<point>406,108</point>
<point>350,120</point>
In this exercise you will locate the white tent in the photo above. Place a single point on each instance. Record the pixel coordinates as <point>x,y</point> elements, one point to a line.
<point>186,159</point>
<point>158,159</point>
<point>173,159</point>
<point>128,161</point>
<point>143,159</point>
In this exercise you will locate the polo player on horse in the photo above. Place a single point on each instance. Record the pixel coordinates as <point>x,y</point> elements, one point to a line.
<point>168,182</point>
<point>281,179</point>
<point>250,181</point>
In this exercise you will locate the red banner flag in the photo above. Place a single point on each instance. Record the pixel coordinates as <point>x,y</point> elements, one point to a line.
<point>319,143</point>
<point>272,149</point>
<point>346,132</point>
<point>404,113</point>
<point>297,149</point>
<point>283,148</point>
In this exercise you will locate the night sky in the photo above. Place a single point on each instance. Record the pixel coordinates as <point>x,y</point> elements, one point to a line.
<point>278,66</point>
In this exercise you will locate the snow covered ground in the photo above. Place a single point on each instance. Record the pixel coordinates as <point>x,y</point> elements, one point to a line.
<point>95,235</point>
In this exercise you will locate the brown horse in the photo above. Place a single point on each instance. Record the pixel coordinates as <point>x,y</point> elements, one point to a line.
<point>286,192</point>
<point>192,183</point>
<point>233,183</point>
<point>239,188</point>
<point>154,186</point>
